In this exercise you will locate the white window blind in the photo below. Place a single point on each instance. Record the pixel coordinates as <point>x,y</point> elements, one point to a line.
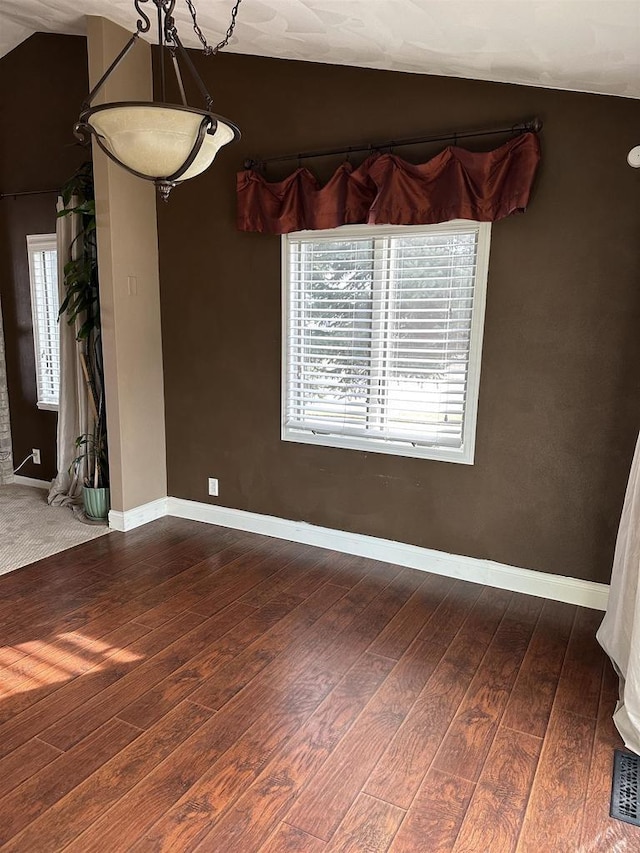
<point>43,273</point>
<point>383,337</point>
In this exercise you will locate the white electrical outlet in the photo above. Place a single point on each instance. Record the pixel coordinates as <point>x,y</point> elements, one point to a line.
<point>36,456</point>
<point>213,487</point>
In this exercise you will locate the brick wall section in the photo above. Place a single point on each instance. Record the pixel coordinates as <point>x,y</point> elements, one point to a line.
<point>6,462</point>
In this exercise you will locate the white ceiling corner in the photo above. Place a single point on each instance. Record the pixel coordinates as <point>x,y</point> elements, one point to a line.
<point>581,45</point>
<point>12,34</point>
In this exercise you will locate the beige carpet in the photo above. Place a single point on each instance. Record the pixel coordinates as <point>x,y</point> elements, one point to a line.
<point>30,529</point>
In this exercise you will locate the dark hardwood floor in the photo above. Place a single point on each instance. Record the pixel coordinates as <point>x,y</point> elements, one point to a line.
<point>184,687</point>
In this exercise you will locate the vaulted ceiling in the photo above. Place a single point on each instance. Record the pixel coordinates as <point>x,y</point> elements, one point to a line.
<point>581,45</point>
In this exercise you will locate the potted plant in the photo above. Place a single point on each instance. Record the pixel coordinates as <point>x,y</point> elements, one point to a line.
<point>93,456</point>
<point>81,306</point>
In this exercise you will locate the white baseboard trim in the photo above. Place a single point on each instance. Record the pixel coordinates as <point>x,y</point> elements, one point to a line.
<point>139,515</point>
<point>31,481</point>
<point>488,572</point>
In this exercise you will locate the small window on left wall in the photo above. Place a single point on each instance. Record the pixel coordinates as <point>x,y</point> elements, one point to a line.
<point>43,274</point>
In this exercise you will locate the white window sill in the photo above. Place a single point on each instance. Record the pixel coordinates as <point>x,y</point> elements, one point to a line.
<point>464,456</point>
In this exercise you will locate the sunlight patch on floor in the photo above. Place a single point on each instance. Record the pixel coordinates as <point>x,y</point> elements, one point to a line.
<point>49,662</point>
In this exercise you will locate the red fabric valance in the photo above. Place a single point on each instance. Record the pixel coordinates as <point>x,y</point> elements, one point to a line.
<point>386,190</point>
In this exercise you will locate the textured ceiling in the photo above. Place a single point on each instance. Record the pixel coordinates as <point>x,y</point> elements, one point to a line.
<point>582,45</point>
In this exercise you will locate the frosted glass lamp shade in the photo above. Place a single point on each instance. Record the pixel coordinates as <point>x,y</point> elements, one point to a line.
<point>211,144</point>
<point>159,142</point>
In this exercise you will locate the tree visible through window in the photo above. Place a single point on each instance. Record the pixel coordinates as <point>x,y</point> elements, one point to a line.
<point>43,273</point>
<point>383,335</point>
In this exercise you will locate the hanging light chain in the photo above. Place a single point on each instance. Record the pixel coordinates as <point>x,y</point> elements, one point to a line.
<point>208,49</point>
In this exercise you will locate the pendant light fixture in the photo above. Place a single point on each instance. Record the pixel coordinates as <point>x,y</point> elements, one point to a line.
<point>157,141</point>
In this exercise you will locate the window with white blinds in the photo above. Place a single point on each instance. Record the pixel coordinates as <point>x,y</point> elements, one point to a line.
<point>383,336</point>
<point>43,273</point>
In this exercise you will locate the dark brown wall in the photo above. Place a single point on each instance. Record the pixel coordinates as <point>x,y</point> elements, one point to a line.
<point>42,84</point>
<point>559,397</point>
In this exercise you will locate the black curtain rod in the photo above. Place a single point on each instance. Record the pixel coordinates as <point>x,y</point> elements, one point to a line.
<point>533,126</point>
<point>27,192</point>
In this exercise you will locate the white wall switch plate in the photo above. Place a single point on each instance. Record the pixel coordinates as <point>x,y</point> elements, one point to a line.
<point>213,487</point>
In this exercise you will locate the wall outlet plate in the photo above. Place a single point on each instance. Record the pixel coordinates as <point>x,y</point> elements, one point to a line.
<point>213,487</point>
<point>36,456</point>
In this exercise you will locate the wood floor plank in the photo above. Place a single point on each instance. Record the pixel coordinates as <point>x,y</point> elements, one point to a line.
<point>248,573</point>
<point>452,612</point>
<point>188,821</point>
<point>177,587</point>
<point>466,745</point>
<point>57,577</point>
<point>57,659</point>
<point>174,561</point>
<point>190,543</point>
<point>89,799</point>
<point>24,762</point>
<point>45,575</point>
<point>347,645</point>
<point>52,707</point>
<point>352,569</point>
<point>599,830</point>
<point>255,815</point>
<point>110,701</point>
<point>113,603</point>
<point>311,683</point>
<point>369,825</point>
<point>532,697</point>
<point>494,816</point>
<point>289,839</point>
<point>9,655</point>
<point>296,566</point>
<point>331,567</point>
<point>181,591</point>
<point>154,703</point>
<point>329,795</point>
<point>559,790</point>
<point>49,603</point>
<point>219,687</point>
<point>73,610</point>
<point>361,605</point>
<point>48,670</point>
<point>579,685</point>
<point>326,650</point>
<point>348,695</point>
<point>125,576</point>
<point>436,815</point>
<point>401,769</point>
<point>40,791</point>
<point>411,619</point>
<point>166,786</point>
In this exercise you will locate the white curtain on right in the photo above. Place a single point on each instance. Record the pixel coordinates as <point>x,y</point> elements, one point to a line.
<point>619,634</point>
<point>73,409</point>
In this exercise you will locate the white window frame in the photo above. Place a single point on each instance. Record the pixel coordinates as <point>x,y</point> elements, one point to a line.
<point>466,453</point>
<point>40,243</point>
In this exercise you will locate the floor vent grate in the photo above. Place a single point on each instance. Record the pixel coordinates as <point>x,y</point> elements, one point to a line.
<point>626,787</point>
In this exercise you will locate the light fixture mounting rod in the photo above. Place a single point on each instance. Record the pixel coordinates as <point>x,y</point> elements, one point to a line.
<point>125,50</point>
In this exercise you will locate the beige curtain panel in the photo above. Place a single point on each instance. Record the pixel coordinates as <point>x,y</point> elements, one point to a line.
<point>619,634</point>
<point>6,459</point>
<point>73,411</point>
